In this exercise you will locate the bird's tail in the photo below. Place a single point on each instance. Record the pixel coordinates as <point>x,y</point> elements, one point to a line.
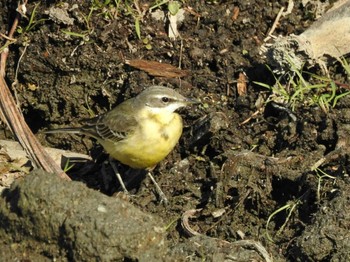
<point>70,130</point>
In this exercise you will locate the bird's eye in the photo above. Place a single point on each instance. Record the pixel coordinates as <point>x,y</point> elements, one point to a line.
<point>165,99</point>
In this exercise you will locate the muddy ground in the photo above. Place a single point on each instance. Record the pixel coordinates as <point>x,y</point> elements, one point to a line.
<point>236,175</point>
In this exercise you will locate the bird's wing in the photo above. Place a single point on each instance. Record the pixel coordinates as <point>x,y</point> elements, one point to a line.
<point>115,125</point>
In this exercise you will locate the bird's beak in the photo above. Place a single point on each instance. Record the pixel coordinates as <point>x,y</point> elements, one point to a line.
<point>192,101</point>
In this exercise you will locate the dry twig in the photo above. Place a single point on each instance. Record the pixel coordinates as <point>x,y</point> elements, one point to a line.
<point>257,246</point>
<point>13,118</point>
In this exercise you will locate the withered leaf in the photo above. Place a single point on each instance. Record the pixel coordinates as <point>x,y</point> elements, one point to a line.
<point>155,68</point>
<point>242,84</point>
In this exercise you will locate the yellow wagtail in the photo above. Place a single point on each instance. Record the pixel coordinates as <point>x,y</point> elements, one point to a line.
<point>141,131</point>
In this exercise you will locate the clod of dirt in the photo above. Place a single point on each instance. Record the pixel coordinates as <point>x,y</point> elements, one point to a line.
<point>60,15</point>
<point>207,126</point>
<point>329,234</point>
<point>212,249</point>
<point>327,37</point>
<point>66,220</point>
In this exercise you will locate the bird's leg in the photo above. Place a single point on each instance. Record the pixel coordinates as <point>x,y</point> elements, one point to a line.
<point>163,198</point>
<point>104,176</point>
<point>115,169</point>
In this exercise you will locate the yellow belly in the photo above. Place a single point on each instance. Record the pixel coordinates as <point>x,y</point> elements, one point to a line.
<point>151,142</point>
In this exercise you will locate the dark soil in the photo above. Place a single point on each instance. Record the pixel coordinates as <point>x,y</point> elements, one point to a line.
<point>237,174</point>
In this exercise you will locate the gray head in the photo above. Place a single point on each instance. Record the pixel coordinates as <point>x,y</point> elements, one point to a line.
<point>162,99</point>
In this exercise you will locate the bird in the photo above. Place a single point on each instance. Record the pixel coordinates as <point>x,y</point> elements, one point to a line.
<point>141,131</point>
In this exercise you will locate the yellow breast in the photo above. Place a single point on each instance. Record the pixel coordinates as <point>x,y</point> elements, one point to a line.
<point>153,139</point>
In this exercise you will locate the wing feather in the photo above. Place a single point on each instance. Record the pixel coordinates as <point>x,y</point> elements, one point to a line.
<point>115,125</point>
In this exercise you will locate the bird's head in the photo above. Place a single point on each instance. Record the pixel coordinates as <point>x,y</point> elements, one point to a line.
<point>161,99</point>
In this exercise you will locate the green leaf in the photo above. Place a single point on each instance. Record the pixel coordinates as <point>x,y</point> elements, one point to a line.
<point>173,7</point>
<point>137,27</point>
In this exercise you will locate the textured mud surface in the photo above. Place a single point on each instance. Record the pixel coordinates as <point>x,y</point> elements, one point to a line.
<point>235,175</point>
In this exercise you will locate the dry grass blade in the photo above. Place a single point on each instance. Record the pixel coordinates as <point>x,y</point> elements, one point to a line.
<point>24,135</point>
<point>13,118</point>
